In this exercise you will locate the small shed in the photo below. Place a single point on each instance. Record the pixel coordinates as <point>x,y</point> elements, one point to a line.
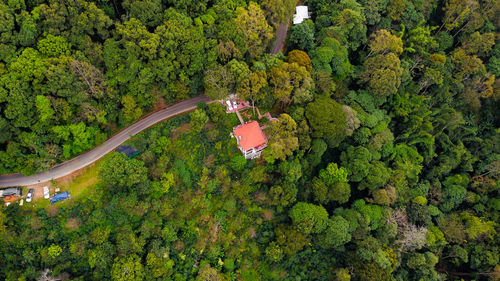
<point>301,13</point>
<point>250,138</point>
<point>128,150</point>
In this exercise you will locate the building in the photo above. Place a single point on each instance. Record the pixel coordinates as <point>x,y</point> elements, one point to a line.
<point>250,138</point>
<point>301,13</point>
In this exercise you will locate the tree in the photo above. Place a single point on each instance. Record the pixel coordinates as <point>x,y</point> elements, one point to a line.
<point>118,171</point>
<point>336,234</point>
<point>131,111</point>
<point>44,108</point>
<point>477,228</point>
<point>274,252</point>
<point>208,273</point>
<point>279,80</point>
<point>480,44</point>
<point>377,176</point>
<point>279,11</point>
<point>453,192</point>
<point>342,274</point>
<point>301,58</point>
<point>228,50</point>
<point>309,218</point>
<point>331,57</point>
<point>456,13</point>
<point>53,46</point>
<point>327,120</point>
<point>382,74</point>
<point>75,138</point>
<point>351,24</point>
<point>252,23</point>
<point>283,195</point>
<point>91,76</point>
<point>302,36</point>
<point>219,82</point>
<point>421,40</point>
<point>239,70</point>
<point>396,9</point>
<point>127,269</point>
<point>453,228</point>
<point>148,12</point>
<point>373,9</point>
<point>250,86</point>
<point>54,251</point>
<point>282,137</point>
<point>290,239</point>
<point>352,121</point>
<point>198,120</point>
<point>382,41</point>
<point>318,148</point>
<point>159,267</point>
<point>332,185</point>
<point>288,79</point>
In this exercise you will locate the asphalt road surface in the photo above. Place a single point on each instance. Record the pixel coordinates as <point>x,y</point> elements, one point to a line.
<point>95,154</point>
<point>280,38</point>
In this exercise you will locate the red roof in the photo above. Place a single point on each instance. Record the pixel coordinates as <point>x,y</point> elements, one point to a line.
<point>250,135</point>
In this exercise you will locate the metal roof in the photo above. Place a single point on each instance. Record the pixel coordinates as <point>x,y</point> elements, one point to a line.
<point>249,135</point>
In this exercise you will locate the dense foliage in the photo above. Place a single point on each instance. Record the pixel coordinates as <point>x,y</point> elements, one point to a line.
<point>383,163</point>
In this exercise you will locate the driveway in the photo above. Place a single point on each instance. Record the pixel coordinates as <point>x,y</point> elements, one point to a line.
<point>280,38</point>
<point>95,154</point>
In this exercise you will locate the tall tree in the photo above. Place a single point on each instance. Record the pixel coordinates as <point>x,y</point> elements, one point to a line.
<point>327,120</point>
<point>252,23</point>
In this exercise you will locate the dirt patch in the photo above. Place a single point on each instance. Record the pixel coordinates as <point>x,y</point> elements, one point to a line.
<point>214,230</point>
<point>210,126</point>
<point>252,232</point>
<point>209,160</point>
<point>178,245</point>
<point>260,197</point>
<point>268,215</point>
<point>35,223</point>
<point>72,224</point>
<point>182,129</point>
<point>52,210</point>
<point>160,103</point>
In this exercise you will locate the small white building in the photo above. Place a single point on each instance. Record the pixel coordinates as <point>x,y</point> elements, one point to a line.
<point>301,13</point>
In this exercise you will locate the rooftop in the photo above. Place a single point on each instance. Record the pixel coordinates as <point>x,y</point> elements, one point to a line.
<point>301,14</point>
<point>249,135</point>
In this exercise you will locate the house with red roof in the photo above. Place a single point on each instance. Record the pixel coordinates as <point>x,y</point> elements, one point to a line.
<point>250,138</point>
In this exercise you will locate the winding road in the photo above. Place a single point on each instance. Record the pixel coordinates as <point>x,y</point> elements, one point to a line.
<point>95,154</point>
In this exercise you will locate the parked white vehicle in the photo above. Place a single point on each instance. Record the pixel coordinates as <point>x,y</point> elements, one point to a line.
<point>46,192</point>
<point>235,104</point>
<point>229,105</point>
<point>29,196</point>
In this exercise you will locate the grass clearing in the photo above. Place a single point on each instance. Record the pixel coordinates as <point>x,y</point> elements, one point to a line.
<point>80,183</point>
<point>76,185</point>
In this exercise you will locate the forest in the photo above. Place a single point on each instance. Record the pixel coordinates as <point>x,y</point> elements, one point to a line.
<point>383,164</point>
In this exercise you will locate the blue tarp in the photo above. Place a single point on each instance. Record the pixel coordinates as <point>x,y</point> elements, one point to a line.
<point>59,197</point>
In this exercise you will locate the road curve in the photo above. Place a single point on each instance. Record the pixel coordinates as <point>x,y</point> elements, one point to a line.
<point>95,154</point>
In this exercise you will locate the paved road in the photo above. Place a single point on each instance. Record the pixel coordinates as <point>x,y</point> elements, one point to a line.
<point>280,38</point>
<point>95,154</point>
